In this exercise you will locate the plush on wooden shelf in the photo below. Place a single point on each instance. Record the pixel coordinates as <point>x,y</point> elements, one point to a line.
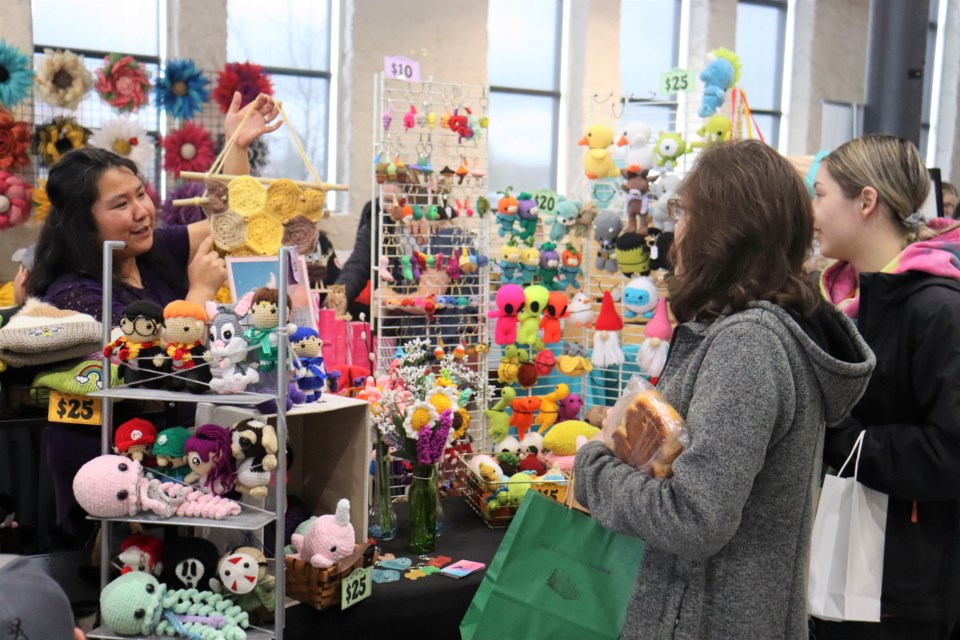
<point>111,486</point>
<point>330,538</point>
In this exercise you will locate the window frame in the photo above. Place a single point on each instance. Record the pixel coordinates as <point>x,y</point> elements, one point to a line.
<point>777,112</point>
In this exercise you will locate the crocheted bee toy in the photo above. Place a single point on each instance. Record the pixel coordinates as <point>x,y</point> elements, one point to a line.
<point>254,447</point>
<point>137,604</point>
<point>185,324</point>
<point>139,349</point>
<point>244,579</point>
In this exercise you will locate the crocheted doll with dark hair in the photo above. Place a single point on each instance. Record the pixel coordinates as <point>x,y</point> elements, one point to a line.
<point>140,349</point>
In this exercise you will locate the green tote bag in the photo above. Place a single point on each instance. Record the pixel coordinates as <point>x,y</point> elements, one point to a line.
<point>557,574</point>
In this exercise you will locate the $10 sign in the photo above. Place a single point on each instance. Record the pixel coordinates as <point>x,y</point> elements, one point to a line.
<point>400,68</point>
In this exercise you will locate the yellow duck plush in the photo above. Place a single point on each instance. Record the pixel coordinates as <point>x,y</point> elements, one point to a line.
<point>598,163</point>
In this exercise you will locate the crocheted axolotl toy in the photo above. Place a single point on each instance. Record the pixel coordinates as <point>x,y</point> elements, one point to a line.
<point>330,538</point>
<point>113,486</point>
<point>137,604</point>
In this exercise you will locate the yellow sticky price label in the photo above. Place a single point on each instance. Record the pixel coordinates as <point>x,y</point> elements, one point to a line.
<point>356,587</point>
<point>65,407</point>
<point>552,490</point>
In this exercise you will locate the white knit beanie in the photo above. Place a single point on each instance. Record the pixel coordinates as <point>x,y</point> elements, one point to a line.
<point>42,334</point>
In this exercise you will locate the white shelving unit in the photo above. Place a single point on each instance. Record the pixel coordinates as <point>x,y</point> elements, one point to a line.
<point>251,518</point>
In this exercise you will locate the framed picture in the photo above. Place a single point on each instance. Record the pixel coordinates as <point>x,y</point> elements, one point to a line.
<point>248,273</point>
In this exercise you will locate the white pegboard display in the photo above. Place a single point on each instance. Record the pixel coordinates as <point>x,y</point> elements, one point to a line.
<point>430,154</point>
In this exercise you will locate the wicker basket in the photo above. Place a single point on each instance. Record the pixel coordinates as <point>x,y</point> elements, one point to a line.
<point>476,493</point>
<point>320,588</point>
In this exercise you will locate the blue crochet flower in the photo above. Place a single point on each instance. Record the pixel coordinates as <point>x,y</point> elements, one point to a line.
<point>183,89</point>
<point>16,76</point>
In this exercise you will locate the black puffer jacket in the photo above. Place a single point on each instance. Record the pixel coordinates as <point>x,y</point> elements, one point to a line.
<point>911,450</point>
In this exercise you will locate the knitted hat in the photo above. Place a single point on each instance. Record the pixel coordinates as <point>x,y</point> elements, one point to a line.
<point>32,604</point>
<point>133,432</point>
<point>79,379</point>
<point>42,334</point>
<point>659,326</point>
<point>609,319</point>
<point>170,442</point>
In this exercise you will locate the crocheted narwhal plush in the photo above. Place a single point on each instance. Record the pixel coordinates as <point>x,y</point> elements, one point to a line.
<point>330,538</point>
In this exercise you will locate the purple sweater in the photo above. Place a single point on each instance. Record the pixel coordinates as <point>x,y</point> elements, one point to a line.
<point>85,294</point>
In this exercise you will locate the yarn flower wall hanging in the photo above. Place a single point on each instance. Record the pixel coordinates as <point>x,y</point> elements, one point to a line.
<point>14,142</point>
<point>41,203</point>
<point>123,83</point>
<point>16,76</point>
<point>245,77</point>
<point>60,135</point>
<point>171,215</point>
<point>189,148</point>
<point>15,201</point>
<point>63,79</point>
<point>182,90</point>
<point>126,138</point>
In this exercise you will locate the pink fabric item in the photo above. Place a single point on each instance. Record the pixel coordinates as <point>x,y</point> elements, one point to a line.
<point>659,326</point>
<point>564,462</point>
<point>510,300</point>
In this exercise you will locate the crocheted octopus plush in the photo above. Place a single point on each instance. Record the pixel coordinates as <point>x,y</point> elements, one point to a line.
<point>137,604</point>
<point>114,486</point>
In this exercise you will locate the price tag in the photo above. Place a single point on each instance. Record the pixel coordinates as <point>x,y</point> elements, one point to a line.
<point>546,202</point>
<point>356,587</point>
<point>552,490</point>
<point>677,80</point>
<point>64,407</point>
<point>401,68</point>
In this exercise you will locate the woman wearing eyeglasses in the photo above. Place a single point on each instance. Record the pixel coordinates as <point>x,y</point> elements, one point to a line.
<point>757,368</point>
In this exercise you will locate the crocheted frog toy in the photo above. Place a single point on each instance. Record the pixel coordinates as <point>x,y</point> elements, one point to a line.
<point>330,538</point>
<point>137,604</point>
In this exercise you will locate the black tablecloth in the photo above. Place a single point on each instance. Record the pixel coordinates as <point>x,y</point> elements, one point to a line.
<point>425,609</point>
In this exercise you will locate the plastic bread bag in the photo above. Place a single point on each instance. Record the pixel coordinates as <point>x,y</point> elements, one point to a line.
<point>643,430</point>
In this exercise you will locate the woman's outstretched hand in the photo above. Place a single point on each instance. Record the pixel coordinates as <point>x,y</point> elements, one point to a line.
<point>264,118</point>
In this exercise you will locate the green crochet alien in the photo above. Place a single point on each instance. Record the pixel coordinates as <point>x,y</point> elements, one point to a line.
<point>137,604</point>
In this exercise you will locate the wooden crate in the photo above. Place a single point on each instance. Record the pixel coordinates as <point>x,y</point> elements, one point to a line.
<point>320,588</point>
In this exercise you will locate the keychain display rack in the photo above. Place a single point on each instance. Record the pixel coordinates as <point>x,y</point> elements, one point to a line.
<point>426,165</point>
<point>251,518</point>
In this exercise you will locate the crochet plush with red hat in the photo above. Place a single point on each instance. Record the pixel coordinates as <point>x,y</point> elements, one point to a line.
<point>606,336</point>
<point>135,438</point>
<point>141,552</point>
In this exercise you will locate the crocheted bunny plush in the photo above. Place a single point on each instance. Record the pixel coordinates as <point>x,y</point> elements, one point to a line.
<point>330,538</point>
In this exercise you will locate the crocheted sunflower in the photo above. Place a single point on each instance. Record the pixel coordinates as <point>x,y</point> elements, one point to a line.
<point>182,90</point>
<point>126,138</point>
<point>41,203</point>
<point>189,148</point>
<point>16,76</point>
<point>245,77</point>
<point>57,137</point>
<point>14,142</point>
<point>63,79</point>
<point>123,83</point>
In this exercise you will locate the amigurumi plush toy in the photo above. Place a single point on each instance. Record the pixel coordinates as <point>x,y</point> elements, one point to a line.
<point>136,603</point>
<point>112,486</point>
<point>330,538</point>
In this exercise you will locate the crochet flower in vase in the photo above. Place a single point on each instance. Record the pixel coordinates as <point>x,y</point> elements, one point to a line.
<point>136,603</point>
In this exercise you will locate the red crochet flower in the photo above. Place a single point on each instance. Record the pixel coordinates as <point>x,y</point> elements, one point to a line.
<point>15,200</point>
<point>15,138</point>
<point>123,83</point>
<point>189,148</point>
<point>245,77</point>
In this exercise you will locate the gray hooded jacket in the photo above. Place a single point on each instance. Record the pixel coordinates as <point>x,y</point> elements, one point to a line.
<point>728,535</point>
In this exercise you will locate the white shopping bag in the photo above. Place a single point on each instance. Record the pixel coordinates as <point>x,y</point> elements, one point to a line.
<point>846,555</point>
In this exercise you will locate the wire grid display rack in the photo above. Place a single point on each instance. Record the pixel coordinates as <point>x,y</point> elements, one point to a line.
<point>429,165</point>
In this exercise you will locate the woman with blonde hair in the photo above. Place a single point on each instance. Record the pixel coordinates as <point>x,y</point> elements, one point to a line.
<point>757,367</point>
<point>898,277</point>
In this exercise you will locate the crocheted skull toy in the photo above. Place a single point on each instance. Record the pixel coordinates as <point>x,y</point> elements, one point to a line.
<point>137,604</point>
<point>330,538</point>
<point>190,563</point>
<point>114,486</point>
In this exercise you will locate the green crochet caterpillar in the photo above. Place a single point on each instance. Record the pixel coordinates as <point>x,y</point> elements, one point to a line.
<point>137,604</point>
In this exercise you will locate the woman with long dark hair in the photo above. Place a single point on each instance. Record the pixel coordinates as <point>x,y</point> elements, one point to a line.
<point>758,368</point>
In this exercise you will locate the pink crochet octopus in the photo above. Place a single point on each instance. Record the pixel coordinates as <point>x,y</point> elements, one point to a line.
<point>114,486</point>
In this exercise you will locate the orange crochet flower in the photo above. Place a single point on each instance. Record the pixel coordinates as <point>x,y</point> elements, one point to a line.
<point>15,141</point>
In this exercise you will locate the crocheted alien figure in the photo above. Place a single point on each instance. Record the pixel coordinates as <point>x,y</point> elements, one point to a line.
<point>136,603</point>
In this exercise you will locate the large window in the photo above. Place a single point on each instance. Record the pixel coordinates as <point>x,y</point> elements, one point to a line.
<point>291,41</point>
<point>761,34</point>
<point>523,63</point>
<point>928,93</point>
<point>649,45</point>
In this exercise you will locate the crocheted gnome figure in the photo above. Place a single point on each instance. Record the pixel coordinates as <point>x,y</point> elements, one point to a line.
<point>606,337</point>
<point>330,538</point>
<point>652,355</point>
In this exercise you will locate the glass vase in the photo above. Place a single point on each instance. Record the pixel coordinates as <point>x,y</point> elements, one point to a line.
<point>382,517</point>
<point>439,475</point>
<point>423,509</point>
